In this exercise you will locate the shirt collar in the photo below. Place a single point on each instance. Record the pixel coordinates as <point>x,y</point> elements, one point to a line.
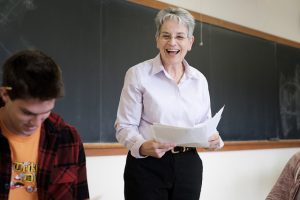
<point>158,67</point>
<point>190,72</point>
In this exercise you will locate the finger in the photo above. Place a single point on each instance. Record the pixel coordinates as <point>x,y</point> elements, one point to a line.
<point>165,149</point>
<point>167,146</point>
<point>158,153</point>
<point>161,154</point>
<point>214,145</point>
<point>214,137</point>
<point>215,141</point>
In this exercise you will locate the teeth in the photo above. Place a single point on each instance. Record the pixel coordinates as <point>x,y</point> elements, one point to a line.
<point>173,51</point>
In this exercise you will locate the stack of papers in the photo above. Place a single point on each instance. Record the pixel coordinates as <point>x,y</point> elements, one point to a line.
<point>190,137</point>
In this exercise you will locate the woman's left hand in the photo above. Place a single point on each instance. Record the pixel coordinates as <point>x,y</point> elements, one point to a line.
<point>214,141</point>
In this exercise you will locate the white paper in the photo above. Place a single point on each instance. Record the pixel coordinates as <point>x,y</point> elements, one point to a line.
<point>191,137</point>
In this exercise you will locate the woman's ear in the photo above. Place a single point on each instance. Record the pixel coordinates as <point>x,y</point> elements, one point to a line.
<point>191,41</point>
<point>156,39</point>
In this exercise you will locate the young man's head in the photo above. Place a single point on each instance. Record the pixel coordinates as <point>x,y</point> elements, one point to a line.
<point>31,83</point>
<point>32,74</point>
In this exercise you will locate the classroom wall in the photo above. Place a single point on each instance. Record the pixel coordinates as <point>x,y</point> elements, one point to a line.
<point>231,175</point>
<point>276,17</point>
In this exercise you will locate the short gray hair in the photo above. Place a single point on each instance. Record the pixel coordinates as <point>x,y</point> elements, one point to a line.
<point>179,14</point>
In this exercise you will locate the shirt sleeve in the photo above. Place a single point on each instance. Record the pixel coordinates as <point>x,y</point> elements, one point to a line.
<point>82,186</point>
<point>129,114</point>
<point>284,184</point>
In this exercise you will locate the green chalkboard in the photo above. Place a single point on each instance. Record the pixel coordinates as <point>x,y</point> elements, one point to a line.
<point>96,41</point>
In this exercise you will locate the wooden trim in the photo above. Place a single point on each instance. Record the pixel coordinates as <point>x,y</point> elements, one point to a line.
<point>111,149</point>
<point>222,23</point>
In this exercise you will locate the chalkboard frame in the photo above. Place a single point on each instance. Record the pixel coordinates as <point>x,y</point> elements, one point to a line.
<point>117,149</point>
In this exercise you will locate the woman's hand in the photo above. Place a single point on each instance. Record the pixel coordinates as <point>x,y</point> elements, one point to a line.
<point>214,141</point>
<point>155,149</point>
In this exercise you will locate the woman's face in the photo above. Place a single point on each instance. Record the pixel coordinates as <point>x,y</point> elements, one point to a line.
<point>173,42</point>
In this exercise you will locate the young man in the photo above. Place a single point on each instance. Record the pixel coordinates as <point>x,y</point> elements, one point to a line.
<point>42,157</point>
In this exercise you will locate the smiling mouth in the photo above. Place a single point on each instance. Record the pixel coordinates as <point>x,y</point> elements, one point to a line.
<point>172,52</point>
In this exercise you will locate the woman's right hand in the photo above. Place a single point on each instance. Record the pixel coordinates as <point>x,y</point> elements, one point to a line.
<point>155,149</point>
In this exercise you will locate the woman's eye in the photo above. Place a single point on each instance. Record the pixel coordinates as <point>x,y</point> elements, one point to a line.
<point>166,37</point>
<point>180,37</point>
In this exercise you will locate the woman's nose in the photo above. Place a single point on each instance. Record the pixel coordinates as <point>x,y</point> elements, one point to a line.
<point>172,40</point>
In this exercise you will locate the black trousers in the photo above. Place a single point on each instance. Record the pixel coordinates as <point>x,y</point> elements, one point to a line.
<point>172,177</point>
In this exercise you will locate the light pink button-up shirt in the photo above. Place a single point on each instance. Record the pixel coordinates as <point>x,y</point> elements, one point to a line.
<point>150,95</point>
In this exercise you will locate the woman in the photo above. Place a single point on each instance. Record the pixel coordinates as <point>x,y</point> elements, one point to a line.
<point>165,90</point>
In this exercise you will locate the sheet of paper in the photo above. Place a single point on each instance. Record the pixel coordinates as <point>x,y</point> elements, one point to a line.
<point>192,137</point>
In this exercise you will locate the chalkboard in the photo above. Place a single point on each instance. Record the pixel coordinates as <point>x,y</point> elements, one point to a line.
<point>288,60</point>
<point>96,41</point>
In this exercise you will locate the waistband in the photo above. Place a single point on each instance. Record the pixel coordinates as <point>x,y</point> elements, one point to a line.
<point>179,149</point>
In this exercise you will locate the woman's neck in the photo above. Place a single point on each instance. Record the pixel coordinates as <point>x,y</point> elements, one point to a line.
<point>175,71</point>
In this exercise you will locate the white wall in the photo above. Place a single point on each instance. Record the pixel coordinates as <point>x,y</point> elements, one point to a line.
<point>231,175</point>
<point>276,17</point>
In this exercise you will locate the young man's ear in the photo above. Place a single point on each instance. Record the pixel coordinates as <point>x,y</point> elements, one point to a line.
<point>4,94</point>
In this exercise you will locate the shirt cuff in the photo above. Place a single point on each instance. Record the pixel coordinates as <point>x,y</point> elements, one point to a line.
<point>135,149</point>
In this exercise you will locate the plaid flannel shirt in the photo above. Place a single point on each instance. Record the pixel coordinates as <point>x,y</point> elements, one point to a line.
<point>61,163</point>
